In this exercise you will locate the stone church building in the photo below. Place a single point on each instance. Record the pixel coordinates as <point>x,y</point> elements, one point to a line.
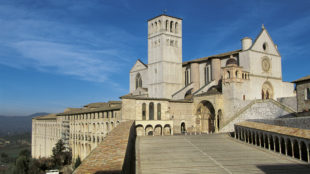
<point>168,96</point>
<point>201,95</point>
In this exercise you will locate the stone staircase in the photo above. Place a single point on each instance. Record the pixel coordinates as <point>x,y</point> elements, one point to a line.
<point>228,125</point>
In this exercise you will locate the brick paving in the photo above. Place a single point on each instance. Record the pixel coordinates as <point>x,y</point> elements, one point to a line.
<point>217,153</point>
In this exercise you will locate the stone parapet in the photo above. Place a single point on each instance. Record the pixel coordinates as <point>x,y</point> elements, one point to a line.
<point>116,154</point>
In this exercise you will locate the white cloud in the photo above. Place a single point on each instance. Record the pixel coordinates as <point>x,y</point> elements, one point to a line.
<point>53,46</point>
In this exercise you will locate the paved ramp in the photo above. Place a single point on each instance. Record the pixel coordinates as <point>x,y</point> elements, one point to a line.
<point>210,154</point>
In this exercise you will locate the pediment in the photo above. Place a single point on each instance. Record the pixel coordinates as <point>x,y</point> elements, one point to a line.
<point>264,43</point>
<point>139,65</point>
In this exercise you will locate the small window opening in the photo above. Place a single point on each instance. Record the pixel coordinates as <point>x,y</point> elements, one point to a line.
<point>265,46</point>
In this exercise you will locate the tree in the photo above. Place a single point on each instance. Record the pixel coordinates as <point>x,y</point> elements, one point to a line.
<point>61,155</point>
<point>22,162</point>
<point>4,157</point>
<point>25,153</point>
<point>77,162</point>
<point>59,148</point>
<point>21,165</point>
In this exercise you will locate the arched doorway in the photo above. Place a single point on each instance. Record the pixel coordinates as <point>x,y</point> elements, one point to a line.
<point>140,130</point>
<point>167,129</point>
<point>183,129</point>
<point>158,130</point>
<point>267,90</point>
<point>149,130</point>
<point>205,117</point>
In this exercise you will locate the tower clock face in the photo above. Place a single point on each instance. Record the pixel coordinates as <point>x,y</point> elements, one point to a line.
<point>266,64</point>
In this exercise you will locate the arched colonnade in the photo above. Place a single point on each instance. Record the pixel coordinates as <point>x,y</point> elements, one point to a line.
<point>295,147</point>
<point>154,128</point>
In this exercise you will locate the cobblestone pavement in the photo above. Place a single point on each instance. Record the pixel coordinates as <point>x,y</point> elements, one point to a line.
<point>217,153</point>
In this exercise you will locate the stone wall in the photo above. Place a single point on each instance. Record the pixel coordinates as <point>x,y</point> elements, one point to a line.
<point>289,101</point>
<point>298,122</point>
<point>116,154</point>
<point>46,131</point>
<point>302,103</point>
<point>258,109</point>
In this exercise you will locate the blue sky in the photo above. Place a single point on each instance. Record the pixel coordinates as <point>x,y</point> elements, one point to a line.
<point>56,54</point>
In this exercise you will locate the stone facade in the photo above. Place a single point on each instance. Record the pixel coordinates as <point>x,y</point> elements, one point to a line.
<point>82,129</point>
<point>46,131</point>
<point>168,96</point>
<point>215,88</point>
<point>303,94</point>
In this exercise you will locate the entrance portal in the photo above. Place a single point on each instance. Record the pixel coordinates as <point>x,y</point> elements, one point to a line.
<point>183,129</point>
<point>206,116</point>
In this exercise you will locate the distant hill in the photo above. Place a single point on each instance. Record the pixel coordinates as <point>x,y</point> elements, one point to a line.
<point>17,124</point>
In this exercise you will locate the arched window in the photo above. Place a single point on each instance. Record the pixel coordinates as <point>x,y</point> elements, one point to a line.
<point>158,111</point>
<point>143,111</point>
<point>237,74</point>
<point>138,81</point>
<point>167,23</point>
<point>159,25</point>
<point>176,27</point>
<point>207,74</point>
<point>152,28</point>
<point>171,26</point>
<point>228,75</point>
<point>187,76</point>
<point>151,111</point>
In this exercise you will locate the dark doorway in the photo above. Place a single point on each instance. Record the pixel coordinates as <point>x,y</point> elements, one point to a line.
<point>183,129</point>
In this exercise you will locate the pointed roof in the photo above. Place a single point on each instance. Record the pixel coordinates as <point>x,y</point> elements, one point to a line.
<point>165,15</point>
<point>260,34</point>
<point>137,63</point>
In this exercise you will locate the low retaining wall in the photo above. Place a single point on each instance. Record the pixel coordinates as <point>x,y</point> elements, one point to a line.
<point>116,154</point>
<point>297,122</point>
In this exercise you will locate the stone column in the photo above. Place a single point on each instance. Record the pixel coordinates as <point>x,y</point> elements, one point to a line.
<point>308,155</point>
<point>216,69</point>
<point>285,144</point>
<point>274,145</point>
<point>292,145</point>
<point>299,148</point>
<point>280,146</point>
<point>195,79</point>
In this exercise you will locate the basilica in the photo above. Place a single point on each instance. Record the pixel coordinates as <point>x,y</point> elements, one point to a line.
<point>202,95</point>
<point>168,96</point>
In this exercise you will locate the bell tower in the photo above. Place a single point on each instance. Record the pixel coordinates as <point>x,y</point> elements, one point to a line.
<point>164,56</point>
